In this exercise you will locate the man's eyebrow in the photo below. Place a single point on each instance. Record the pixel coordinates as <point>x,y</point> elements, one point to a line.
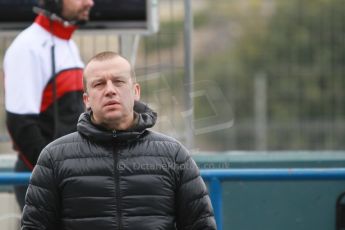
<point>96,80</point>
<point>113,76</point>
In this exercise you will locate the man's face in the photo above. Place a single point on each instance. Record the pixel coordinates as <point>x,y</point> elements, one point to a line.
<point>111,92</point>
<point>76,10</point>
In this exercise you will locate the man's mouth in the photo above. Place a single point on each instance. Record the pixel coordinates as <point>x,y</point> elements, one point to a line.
<point>109,103</point>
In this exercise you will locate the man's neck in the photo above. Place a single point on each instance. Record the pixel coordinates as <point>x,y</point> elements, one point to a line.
<point>120,125</point>
<point>55,27</point>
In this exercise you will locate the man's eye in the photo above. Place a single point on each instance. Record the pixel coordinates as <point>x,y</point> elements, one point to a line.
<point>97,84</point>
<point>119,82</point>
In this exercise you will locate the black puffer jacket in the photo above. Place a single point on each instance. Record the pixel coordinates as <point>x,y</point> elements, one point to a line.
<point>101,180</point>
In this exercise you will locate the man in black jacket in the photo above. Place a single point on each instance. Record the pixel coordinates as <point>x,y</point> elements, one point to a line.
<point>113,173</point>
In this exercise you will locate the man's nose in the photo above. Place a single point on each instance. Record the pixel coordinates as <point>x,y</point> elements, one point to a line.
<point>110,88</point>
<point>89,2</point>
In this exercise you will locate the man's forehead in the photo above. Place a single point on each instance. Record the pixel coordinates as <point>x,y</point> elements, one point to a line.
<point>113,71</point>
<point>116,61</point>
<point>116,65</point>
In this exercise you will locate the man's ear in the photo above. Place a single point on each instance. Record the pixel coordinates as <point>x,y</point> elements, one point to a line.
<point>136,91</point>
<point>86,101</point>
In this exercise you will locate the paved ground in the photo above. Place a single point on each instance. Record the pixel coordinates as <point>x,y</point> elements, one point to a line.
<point>9,212</point>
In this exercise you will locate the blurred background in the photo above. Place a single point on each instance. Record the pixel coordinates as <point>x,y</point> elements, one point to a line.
<point>268,75</point>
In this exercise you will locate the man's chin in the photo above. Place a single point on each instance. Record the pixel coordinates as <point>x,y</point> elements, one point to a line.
<point>112,116</point>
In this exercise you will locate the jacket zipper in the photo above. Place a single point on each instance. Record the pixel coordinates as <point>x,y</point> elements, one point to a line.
<point>117,184</point>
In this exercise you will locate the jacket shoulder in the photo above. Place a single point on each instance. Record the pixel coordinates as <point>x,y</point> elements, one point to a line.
<point>69,138</point>
<point>29,39</point>
<point>63,145</point>
<point>171,146</point>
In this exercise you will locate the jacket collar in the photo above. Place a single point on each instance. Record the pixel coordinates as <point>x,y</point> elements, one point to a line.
<point>55,27</point>
<point>146,118</point>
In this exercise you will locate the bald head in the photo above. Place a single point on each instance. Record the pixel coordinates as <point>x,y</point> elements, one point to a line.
<point>102,57</point>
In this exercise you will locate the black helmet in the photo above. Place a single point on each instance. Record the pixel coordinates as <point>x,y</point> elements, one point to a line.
<point>53,6</point>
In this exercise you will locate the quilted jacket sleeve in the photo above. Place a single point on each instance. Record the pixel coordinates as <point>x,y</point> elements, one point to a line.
<point>194,208</point>
<point>42,199</point>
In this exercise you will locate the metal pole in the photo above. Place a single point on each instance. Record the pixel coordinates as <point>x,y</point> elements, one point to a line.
<point>11,178</point>
<point>260,108</point>
<point>189,73</point>
<point>217,201</point>
<point>129,45</point>
<point>275,174</point>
